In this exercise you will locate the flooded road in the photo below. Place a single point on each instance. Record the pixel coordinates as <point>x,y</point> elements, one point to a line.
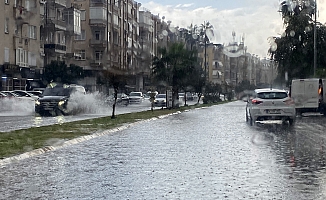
<point>209,153</point>
<point>16,115</point>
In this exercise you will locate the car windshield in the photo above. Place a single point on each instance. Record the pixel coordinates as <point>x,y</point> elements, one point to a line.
<point>57,91</point>
<point>161,96</point>
<point>135,94</point>
<point>272,95</point>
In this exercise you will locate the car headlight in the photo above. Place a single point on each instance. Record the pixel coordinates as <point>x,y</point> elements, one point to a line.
<point>61,103</point>
<point>37,102</point>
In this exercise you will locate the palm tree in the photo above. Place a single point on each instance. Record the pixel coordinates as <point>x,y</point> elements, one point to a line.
<point>172,67</point>
<point>205,28</point>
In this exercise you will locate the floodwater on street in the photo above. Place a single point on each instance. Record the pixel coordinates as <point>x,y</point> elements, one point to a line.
<point>209,153</point>
<point>18,114</point>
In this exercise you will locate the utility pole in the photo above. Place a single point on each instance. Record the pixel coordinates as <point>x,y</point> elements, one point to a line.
<point>315,40</point>
<point>205,64</point>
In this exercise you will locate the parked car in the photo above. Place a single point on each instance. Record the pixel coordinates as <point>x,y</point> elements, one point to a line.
<point>3,95</point>
<point>12,94</point>
<point>136,97</point>
<point>55,98</point>
<point>270,104</point>
<point>181,96</point>
<point>25,94</point>
<point>36,93</point>
<point>160,100</point>
<point>122,99</point>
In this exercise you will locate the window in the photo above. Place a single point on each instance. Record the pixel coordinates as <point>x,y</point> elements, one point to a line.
<point>7,25</point>
<point>58,38</point>
<point>16,29</point>
<point>32,31</point>
<point>31,59</point>
<point>272,95</point>
<point>83,15</point>
<point>97,35</point>
<point>6,55</point>
<point>42,9</point>
<point>98,56</point>
<point>21,57</point>
<point>116,20</point>
<point>82,36</point>
<point>58,15</point>
<point>80,55</point>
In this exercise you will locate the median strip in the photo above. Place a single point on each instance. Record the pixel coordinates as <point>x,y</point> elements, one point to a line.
<point>21,144</point>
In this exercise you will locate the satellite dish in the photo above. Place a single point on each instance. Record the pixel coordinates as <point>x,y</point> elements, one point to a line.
<point>194,36</point>
<point>165,33</point>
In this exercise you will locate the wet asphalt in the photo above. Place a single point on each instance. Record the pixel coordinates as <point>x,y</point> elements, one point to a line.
<point>209,153</point>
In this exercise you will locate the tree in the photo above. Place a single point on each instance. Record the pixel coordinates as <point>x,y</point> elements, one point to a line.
<point>294,51</point>
<point>172,67</point>
<point>206,30</point>
<point>116,78</point>
<point>212,93</point>
<point>58,71</point>
<point>198,81</point>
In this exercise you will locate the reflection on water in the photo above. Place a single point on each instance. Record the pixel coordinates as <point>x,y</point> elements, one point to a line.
<point>37,121</point>
<point>299,150</point>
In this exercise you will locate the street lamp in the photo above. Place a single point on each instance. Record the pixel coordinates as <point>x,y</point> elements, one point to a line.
<point>204,27</point>
<point>315,39</point>
<point>205,64</point>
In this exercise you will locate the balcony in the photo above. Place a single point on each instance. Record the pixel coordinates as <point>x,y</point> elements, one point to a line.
<point>55,48</point>
<point>98,3</point>
<point>72,19</point>
<point>61,3</point>
<point>21,15</point>
<point>56,25</point>
<point>97,22</point>
<point>99,44</point>
<point>96,64</point>
<point>97,16</point>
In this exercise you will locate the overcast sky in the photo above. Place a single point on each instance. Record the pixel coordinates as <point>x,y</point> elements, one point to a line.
<point>255,20</point>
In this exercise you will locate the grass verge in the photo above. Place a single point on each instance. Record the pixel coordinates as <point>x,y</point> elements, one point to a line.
<point>24,140</point>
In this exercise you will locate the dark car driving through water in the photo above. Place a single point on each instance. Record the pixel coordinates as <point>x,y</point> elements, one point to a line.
<point>55,98</point>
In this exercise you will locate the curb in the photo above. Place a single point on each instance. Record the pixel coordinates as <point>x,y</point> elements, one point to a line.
<point>77,140</point>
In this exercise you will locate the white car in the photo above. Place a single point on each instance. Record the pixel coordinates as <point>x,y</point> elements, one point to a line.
<point>14,95</point>
<point>23,93</point>
<point>270,104</point>
<point>136,97</point>
<point>160,100</point>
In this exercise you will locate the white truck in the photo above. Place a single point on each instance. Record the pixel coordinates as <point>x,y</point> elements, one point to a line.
<point>308,95</point>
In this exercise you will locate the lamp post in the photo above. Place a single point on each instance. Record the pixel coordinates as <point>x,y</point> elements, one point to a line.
<point>205,64</point>
<point>315,40</point>
<point>204,27</point>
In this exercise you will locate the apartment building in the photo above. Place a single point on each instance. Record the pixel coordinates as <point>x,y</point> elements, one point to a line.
<point>148,44</point>
<point>108,39</point>
<point>60,24</point>
<point>35,32</point>
<point>20,42</point>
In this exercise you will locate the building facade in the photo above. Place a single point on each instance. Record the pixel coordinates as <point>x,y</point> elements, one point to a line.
<point>20,42</point>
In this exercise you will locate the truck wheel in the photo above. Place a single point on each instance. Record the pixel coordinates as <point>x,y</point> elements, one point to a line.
<point>251,121</point>
<point>291,122</point>
<point>299,113</point>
